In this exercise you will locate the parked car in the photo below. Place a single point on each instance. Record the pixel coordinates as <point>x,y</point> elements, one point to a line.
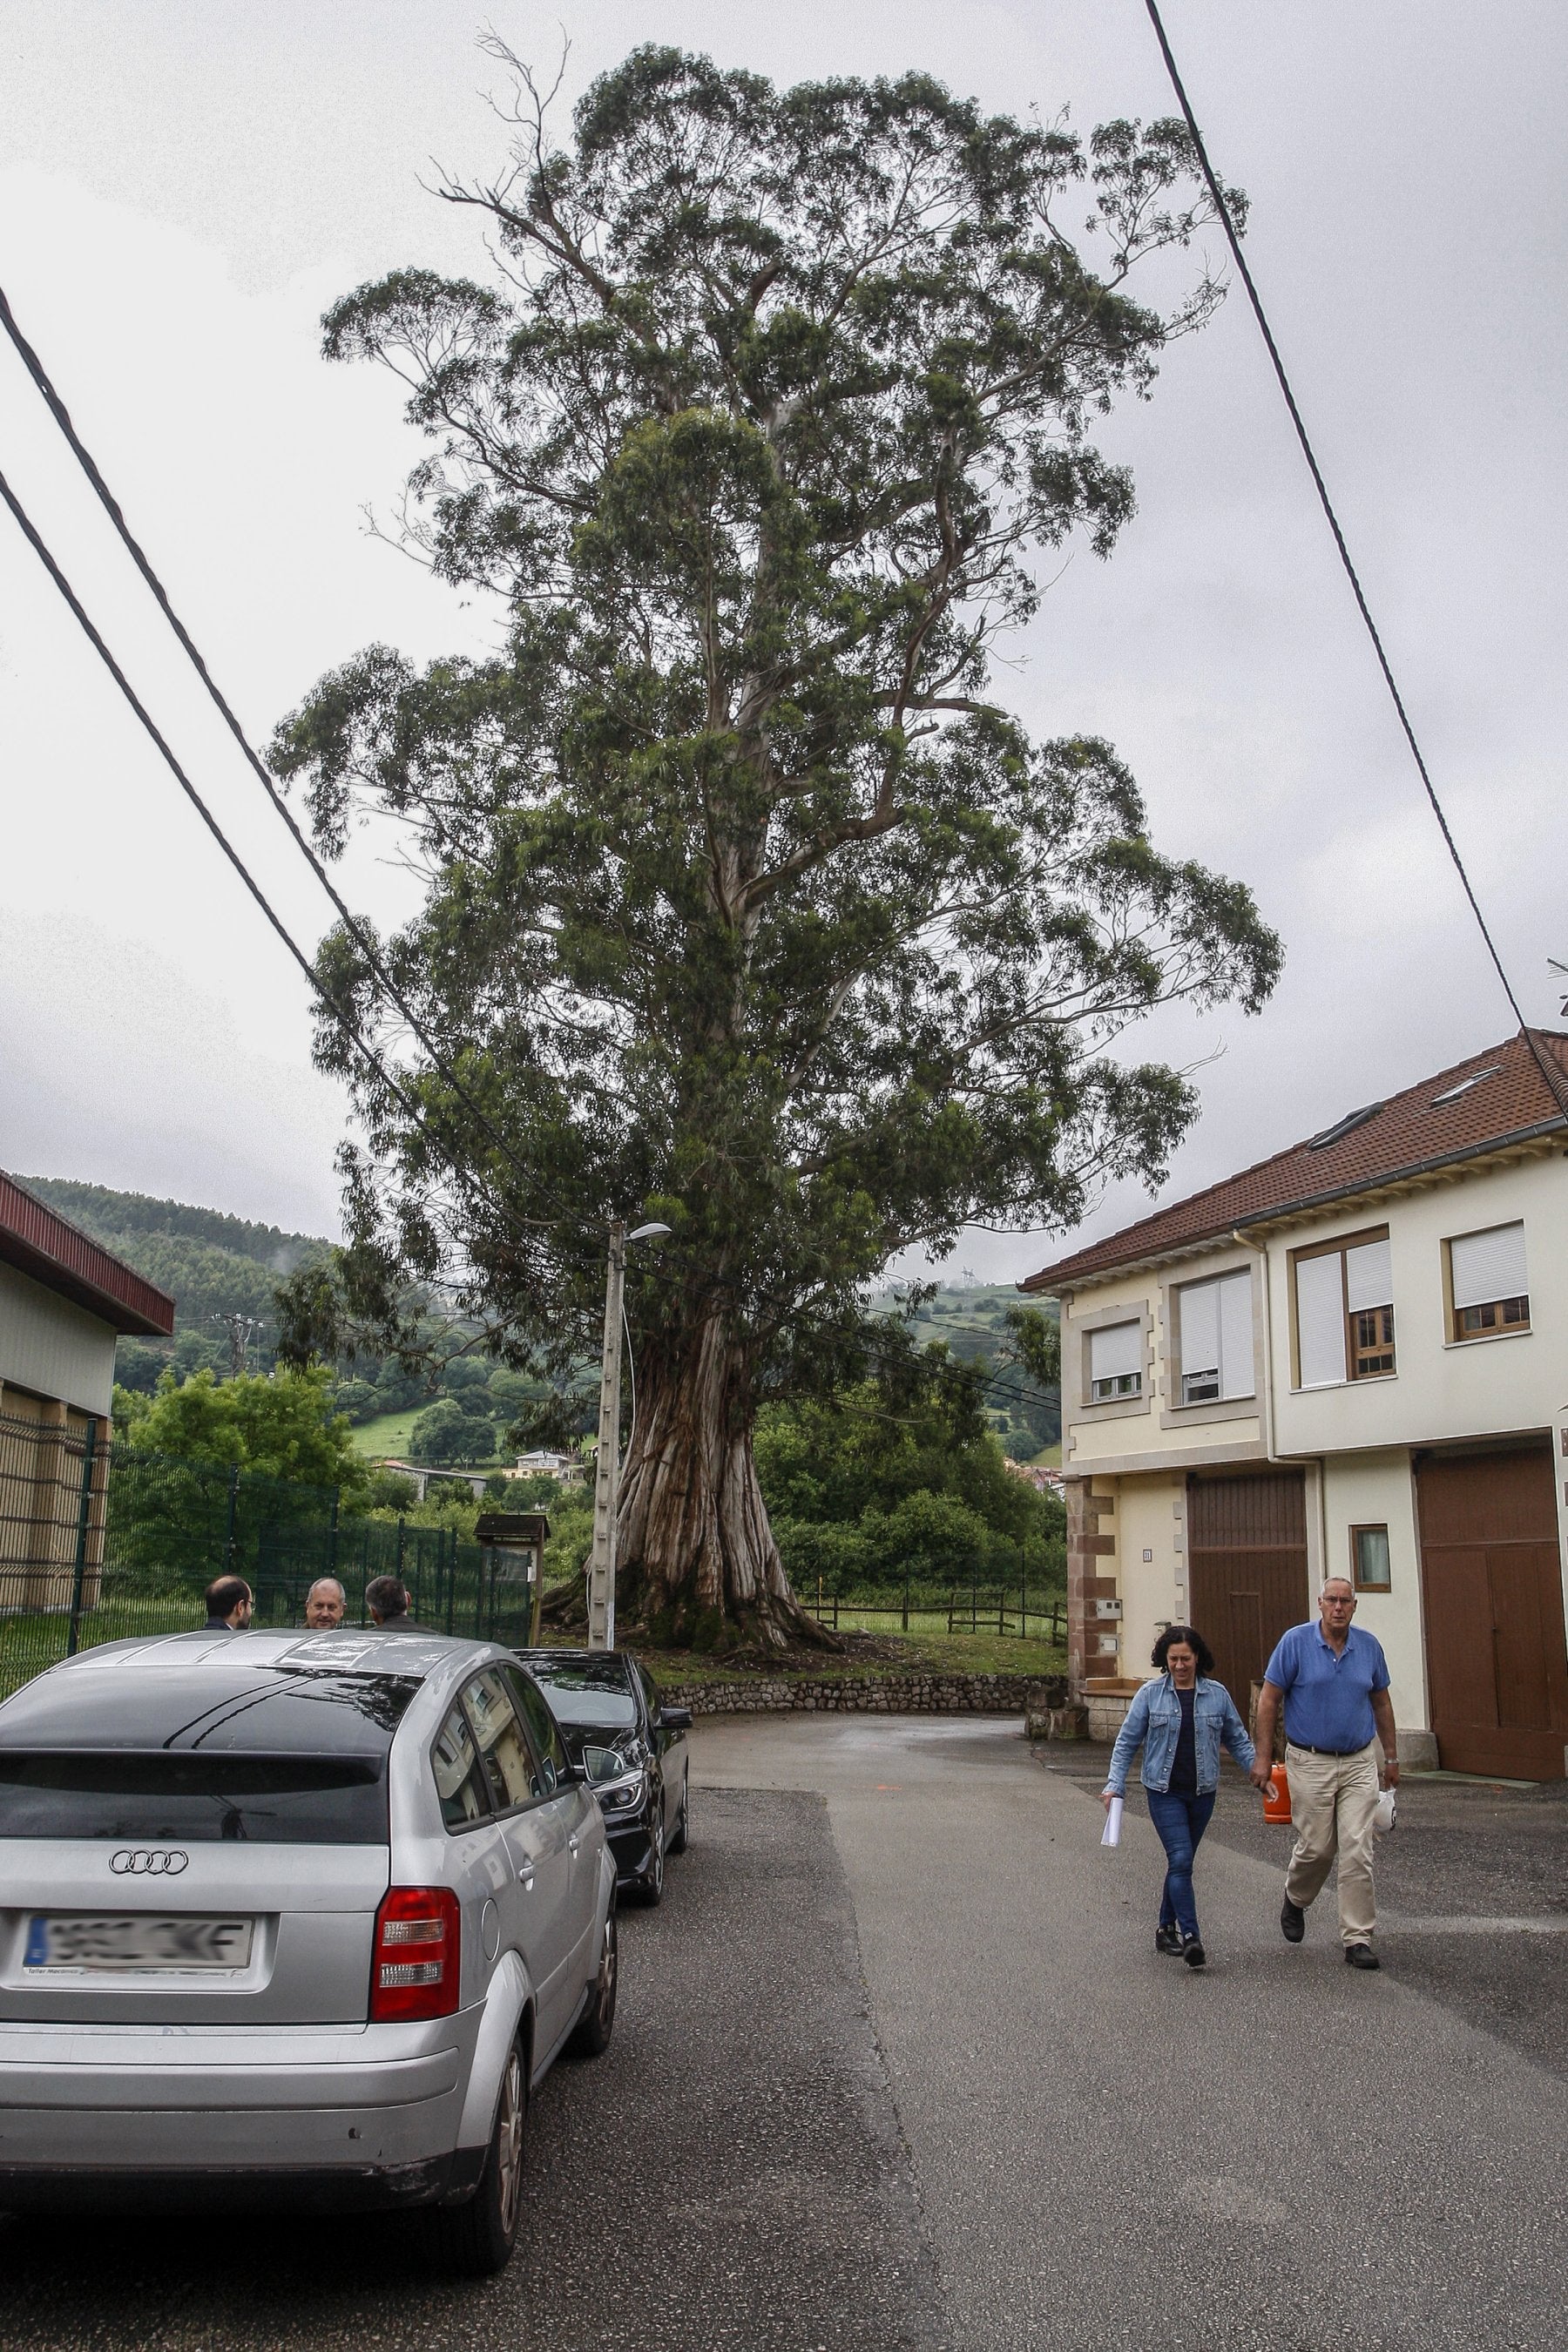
<point>632,1748</point>
<point>292,1919</point>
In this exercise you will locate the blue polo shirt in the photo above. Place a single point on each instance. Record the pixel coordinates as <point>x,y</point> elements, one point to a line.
<point>1328,1699</point>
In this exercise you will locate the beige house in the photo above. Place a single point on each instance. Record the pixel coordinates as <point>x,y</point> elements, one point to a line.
<point>1350,1360</point>
<point>64,1301</point>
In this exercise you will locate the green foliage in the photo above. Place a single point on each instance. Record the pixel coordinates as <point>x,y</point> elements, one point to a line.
<point>747,902</point>
<point>281,1425</point>
<point>864,1489</point>
<point>445,1433</point>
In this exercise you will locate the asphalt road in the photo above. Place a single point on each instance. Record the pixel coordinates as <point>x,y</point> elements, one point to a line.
<point>897,2066</point>
<point>728,2175</point>
<point>1113,2150</point>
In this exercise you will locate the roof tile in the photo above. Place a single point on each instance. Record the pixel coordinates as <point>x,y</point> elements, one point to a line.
<point>1508,1097</point>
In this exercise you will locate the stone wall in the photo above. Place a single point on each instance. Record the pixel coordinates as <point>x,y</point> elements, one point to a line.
<point>917,1694</point>
<point>1091,1552</point>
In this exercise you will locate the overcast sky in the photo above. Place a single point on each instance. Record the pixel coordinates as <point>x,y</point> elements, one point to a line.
<point>184,187</point>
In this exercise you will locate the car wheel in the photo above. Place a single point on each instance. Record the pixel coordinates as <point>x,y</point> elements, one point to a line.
<point>592,2037</point>
<point>650,1885</point>
<point>476,2240</point>
<point>682,1835</point>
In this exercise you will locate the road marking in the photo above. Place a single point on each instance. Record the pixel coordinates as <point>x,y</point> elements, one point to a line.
<point>1531,1924</point>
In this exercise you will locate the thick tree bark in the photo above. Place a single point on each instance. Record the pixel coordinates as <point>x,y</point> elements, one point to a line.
<point>695,1555</point>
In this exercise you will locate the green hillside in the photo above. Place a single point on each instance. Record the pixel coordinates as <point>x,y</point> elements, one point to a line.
<point>211,1265</point>
<point>971,1319</point>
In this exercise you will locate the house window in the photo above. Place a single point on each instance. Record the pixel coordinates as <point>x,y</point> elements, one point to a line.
<point>1214,1326</point>
<point>1344,1312</point>
<point>1370,1562</point>
<point>1116,1362</point>
<point>1490,1286</point>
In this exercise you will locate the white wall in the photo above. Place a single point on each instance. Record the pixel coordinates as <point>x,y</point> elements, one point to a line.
<point>1487,1387</point>
<point>53,1348</point>
<point>1377,1490</point>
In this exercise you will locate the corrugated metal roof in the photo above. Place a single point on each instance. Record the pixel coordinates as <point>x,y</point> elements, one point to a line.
<point>1442,1119</point>
<point>38,1241</point>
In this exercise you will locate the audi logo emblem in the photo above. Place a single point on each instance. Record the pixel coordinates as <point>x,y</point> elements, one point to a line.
<point>148,1862</point>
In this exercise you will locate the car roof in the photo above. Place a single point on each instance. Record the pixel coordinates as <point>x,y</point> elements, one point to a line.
<point>216,1666</point>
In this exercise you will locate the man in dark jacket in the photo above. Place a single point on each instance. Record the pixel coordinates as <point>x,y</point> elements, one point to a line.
<point>387,1602</point>
<point>229,1605</point>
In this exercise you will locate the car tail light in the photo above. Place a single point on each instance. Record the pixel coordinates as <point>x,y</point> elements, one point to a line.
<point>418,1956</point>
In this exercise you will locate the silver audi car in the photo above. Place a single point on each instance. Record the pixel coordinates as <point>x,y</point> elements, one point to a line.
<point>299,1919</point>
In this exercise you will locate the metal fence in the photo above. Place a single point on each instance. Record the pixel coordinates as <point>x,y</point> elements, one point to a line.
<point>99,1542</point>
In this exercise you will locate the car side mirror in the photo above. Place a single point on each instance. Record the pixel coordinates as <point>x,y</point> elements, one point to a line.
<point>675,1719</point>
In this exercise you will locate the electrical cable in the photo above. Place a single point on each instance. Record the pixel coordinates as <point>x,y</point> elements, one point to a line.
<point>363,941</point>
<point>1551,1076</point>
<point>350,1027</point>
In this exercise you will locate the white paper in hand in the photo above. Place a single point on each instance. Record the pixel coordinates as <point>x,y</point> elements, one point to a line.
<point>1387,1812</point>
<point>1112,1834</point>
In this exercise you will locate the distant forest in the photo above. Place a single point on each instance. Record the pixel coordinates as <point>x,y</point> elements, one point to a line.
<point>214,1265</point>
<point>211,1264</point>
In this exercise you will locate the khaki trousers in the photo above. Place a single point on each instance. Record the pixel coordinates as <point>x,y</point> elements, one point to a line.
<point>1332,1801</point>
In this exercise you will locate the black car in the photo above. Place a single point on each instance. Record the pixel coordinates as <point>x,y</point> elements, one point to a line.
<point>633,1750</point>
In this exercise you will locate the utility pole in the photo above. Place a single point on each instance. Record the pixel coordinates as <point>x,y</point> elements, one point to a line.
<point>607,1466</point>
<point>241,1329</point>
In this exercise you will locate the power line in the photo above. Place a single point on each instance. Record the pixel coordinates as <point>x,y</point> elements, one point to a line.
<point>1551,1076</point>
<point>363,941</point>
<point>350,1027</point>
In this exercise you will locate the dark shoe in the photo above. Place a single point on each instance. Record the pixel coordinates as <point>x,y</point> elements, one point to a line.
<point>1292,1921</point>
<point>1361,1955</point>
<point>1193,1953</point>
<point>1167,1940</point>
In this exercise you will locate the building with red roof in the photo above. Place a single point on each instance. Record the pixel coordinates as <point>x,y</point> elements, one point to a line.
<point>1349,1358</point>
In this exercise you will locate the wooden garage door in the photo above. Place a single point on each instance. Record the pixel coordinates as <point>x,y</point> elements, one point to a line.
<point>1247,1548</point>
<point>1492,1584</point>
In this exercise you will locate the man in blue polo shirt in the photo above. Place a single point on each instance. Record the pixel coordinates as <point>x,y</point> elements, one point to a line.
<point>1333,1680</point>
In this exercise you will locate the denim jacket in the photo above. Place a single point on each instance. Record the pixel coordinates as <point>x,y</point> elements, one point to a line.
<point>1154,1722</point>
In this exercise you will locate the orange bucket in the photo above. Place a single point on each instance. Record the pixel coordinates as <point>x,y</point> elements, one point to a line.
<point>1277,1797</point>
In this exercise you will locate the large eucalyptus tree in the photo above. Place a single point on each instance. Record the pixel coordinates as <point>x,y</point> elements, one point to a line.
<point>748,905</point>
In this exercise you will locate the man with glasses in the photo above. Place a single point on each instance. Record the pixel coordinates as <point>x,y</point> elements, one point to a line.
<point>1333,1679</point>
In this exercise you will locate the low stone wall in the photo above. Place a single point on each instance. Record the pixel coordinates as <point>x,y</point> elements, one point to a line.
<point>919,1693</point>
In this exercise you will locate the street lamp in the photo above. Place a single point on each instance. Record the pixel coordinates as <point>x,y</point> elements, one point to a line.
<point>607,1464</point>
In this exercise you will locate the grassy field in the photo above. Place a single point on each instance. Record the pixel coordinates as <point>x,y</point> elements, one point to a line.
<point>964,1653</point>
<point>392,1434</point>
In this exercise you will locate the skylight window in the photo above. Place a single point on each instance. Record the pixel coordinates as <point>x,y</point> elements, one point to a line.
<point>1452,1093</point>
<point>1346,1126</point>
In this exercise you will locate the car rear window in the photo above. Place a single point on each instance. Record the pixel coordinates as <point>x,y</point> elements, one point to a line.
<point>208,1705</point>
<point>585,1690</point>
<point>197,1799</point>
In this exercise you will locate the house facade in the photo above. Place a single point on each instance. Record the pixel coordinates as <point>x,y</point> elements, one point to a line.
<point>1350,1360</point>
<point>64,1301</point>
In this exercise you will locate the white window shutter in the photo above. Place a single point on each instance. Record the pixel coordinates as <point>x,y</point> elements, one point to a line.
<point>1200,1327</point>
<point>1319,1319</point>
<point>1489,1266</point>
<point>1235,1376</point>
<point>1114,1350</point>
<point>1369,1276</point>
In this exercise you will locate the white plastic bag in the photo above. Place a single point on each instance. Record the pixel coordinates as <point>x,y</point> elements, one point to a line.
<point>1112,1834</point>
<point>1387,1812</point>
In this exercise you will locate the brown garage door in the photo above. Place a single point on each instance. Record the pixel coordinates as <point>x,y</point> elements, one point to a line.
<point>1246,1545</point>
<point>1492,1583</point>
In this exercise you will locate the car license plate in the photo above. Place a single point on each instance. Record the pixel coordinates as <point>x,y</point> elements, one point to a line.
<point>136,1941</point>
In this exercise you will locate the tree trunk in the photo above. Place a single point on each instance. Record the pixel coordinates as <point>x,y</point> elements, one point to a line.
<point>696,1559</point>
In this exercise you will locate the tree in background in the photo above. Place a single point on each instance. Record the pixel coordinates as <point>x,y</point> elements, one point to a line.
<point>883,1484</point>
<point>444,1433</point>
<point>279,1425</point>
<point>748,906</point>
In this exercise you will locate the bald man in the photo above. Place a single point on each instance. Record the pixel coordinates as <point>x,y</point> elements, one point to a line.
<point>324,1604</point>
<point>1333,1679</point>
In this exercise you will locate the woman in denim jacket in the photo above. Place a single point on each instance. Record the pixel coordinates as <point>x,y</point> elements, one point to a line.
<point>1180,1721</point>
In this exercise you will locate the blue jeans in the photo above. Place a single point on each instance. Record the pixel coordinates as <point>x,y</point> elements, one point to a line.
<point>1180,1822</point>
